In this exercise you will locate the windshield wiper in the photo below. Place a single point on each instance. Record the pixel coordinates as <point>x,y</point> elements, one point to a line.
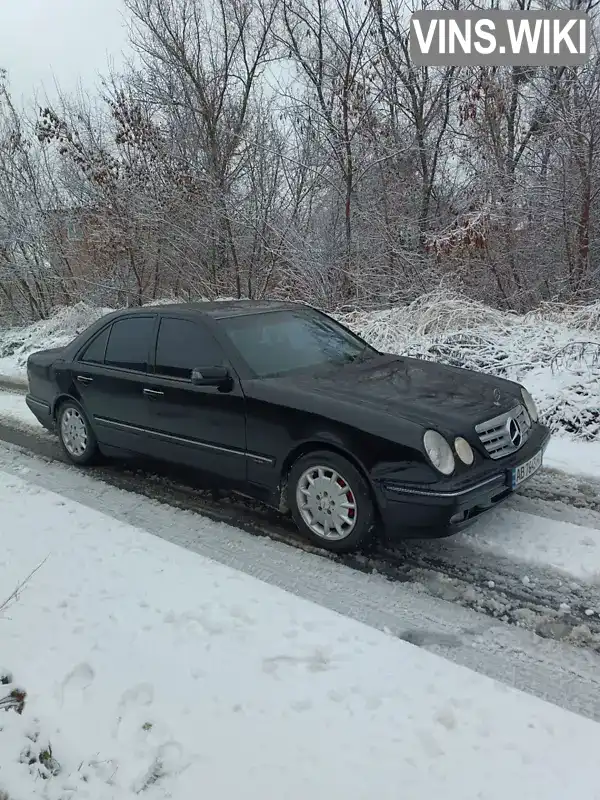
<point>360,356</point>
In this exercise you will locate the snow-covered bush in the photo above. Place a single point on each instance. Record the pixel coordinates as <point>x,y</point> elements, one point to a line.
<point>30,767</point>
<point>554,351</point>
<point>25,754</point>
<point>57,331</point>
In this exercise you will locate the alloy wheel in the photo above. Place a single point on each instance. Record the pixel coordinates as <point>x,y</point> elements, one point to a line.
<point>326,503</point>
<point>73,431</point>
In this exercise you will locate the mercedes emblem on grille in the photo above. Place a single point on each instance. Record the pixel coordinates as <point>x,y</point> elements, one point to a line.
<point>514,432</point>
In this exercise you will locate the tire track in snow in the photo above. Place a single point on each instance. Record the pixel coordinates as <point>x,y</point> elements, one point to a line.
<point>552,670</point>
<point>549,604</point>
<point>551,485</point>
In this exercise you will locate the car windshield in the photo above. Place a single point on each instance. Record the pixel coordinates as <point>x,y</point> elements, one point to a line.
<point>281,342</point>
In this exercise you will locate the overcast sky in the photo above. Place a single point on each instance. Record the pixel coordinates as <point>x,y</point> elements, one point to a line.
<point>43,42</point>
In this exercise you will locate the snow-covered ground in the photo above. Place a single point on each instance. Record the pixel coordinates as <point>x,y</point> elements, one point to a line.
<point>15,411</point>
<point>153,671</point>
<point>428,610</point>
<point>574,457</point>
<point>573,550</point>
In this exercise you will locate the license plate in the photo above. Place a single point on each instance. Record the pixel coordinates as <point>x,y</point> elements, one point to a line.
<point>526,470</point>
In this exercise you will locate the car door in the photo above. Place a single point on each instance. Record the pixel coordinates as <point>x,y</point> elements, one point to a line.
<point>202,426</point>
<point>110,374</point>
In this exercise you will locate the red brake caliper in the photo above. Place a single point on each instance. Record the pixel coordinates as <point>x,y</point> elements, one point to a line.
<point>349,497</point>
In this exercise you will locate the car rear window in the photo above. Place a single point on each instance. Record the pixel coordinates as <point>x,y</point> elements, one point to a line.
<point>129,343</point>
<point>94,352</point>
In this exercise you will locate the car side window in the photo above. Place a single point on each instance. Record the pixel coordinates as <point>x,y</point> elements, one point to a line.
<point>94,352</point>
<point>182,346</point>
<point>129,343</point>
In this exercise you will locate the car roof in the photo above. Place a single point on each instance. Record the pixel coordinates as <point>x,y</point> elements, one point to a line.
<point>220,309</point>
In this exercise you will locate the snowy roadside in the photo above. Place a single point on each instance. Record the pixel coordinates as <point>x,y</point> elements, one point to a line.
<point>151,669</point>
<point>17,343</point>
<point>13,409</point>
<point>15,412</point>
<point>573,457</point>
<point>531,538</point>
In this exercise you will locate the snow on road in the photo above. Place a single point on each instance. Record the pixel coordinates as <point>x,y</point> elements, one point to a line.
<point>574,457</point>
<point>14,410</point>
<point>574,550</point>
<point>440,623</point>
<point>153,670</point>
<point>534,540</point>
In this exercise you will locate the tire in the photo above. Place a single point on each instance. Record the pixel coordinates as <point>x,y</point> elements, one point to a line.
<point>75,434</point>
<point>314,510</point>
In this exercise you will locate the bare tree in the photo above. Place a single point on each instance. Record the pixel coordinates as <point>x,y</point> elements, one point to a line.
<point>419,101</point>
<point>203,64</point>
<point>330,43</point>
<point>293,148</point>
<point>578,151</point>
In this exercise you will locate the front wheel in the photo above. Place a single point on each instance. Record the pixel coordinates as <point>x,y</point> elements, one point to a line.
<point>75,434</point>
<point>331,502</point>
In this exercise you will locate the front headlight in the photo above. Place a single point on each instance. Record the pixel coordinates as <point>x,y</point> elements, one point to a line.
<point>464,451</point>
<point>529,404</point>
<point>439,452</point>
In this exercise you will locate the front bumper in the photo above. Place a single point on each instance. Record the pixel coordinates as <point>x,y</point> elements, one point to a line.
<point>413,511</point>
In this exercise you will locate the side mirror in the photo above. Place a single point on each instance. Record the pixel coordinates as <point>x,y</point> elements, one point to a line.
<point>210,376</point>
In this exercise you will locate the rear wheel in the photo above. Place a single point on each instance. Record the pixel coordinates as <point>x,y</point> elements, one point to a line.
<point>75,434</point>
<point>331,502</point>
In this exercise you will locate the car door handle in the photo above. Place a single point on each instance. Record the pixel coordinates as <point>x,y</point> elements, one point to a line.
<point>84,379</point>
<point>153,392</point>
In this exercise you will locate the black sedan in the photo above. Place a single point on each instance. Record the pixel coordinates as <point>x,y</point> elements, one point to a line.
<point>280,402</point>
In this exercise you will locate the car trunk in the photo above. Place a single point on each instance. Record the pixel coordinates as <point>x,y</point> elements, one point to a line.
<point>38,372</point>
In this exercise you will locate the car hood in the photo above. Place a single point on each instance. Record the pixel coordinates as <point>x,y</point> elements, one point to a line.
<point>424,392</point>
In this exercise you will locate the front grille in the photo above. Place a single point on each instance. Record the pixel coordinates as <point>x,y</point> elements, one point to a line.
<point>506,433</point>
